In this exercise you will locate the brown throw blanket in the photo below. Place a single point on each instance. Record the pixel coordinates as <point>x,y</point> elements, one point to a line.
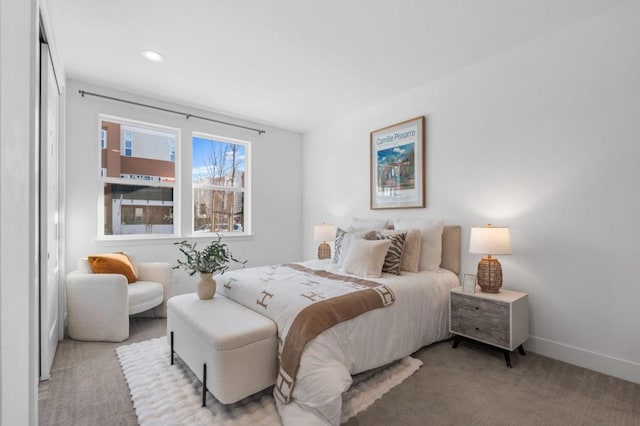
<point>303,302</point>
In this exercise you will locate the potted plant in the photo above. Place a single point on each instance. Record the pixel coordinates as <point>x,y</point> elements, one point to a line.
<point>213,259</point>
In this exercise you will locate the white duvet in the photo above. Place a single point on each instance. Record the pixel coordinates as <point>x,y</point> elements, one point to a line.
<point>418,317</point>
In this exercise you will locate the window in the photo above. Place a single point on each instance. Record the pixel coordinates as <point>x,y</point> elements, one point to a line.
<point>138,192</point>
<point>220,182</point>
<point>128,144</point>
<point>103,139</point>
<point>172,150</point>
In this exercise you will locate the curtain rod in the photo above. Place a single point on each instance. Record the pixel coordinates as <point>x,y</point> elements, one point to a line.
<point>186,114</point>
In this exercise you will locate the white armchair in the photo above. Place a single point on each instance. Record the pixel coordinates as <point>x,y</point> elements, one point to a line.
<point>99,305</point>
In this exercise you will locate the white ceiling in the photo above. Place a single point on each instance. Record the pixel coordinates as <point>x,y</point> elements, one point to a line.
<point>292,63</point>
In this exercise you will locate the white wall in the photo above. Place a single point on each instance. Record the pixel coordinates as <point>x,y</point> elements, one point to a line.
<point>542,138</point>
<point>275,192</point>
<point>18,179</point>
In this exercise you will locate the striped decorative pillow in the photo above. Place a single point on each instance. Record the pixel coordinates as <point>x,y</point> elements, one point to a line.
<point>411,250</point>
<point>337,245</point>
<point>393,259</point>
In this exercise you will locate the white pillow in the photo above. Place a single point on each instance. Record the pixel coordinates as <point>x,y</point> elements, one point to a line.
<point>431,244</point>
<point>343,243</point>
<point>377,224</point>
<point>366,257</point>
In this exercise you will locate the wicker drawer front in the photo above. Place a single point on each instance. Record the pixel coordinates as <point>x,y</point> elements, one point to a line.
<point>480,319</point>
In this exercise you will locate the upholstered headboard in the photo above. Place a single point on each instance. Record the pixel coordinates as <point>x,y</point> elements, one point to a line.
<point>451,249</point>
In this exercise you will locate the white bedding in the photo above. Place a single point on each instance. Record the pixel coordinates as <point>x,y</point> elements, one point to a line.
<point>418,317</point>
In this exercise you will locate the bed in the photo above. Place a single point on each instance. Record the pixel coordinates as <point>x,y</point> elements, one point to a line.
<point>417,317</point>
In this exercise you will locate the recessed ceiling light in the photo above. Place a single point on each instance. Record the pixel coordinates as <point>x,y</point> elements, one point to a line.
<point>152,55</point>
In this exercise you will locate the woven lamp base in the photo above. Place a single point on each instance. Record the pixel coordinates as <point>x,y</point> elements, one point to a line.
<point>489,275</point>
<point>324,251</point>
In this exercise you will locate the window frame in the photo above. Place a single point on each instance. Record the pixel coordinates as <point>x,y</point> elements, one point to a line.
<point>103,139</point>
<point>172,150</point>
<point>127,144</point>
<point>246,231</point>
<point>176,184</point>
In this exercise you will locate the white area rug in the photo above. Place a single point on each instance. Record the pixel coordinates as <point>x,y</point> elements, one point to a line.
<point>165,394</point>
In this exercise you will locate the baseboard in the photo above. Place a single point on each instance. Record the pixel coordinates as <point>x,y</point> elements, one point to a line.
<point>612,366</point>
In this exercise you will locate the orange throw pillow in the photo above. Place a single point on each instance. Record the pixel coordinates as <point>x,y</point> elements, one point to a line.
<point>113,263</point>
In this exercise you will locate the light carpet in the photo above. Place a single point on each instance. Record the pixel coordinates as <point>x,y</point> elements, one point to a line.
<point>171,394</point>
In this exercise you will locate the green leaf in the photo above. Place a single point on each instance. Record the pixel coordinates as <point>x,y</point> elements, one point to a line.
<point>215,257</point>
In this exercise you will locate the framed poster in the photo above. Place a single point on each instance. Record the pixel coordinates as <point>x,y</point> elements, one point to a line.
<point>397,166</point>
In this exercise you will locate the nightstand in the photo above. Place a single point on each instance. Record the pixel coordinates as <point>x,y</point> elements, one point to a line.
<point>498,319</point>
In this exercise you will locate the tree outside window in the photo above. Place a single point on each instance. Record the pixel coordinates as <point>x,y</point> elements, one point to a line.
<point>219,185</point>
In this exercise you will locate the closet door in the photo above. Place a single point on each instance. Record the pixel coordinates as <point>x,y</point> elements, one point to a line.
<point>49,234</point>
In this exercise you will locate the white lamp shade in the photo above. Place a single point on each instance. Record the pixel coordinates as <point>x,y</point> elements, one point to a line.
<point>324,232</point>
<point>490,240</point>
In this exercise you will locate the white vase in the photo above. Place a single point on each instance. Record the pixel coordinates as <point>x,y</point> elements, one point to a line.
<point>206,286</point>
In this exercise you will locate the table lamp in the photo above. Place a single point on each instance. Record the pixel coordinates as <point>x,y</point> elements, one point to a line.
<point>324,233</point>
<point>490,240</point>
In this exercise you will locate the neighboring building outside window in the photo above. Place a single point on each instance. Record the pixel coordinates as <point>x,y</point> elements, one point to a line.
<point>139,186</point>
<point>220,170</point>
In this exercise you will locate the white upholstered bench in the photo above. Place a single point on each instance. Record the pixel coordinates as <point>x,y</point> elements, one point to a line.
<point>230,348</point>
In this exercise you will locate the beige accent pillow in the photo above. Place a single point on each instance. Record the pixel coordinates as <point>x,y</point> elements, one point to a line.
<point>343,242</point>
<point>410,260</point>
<point>366,257</point>
<point>431,244</point>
